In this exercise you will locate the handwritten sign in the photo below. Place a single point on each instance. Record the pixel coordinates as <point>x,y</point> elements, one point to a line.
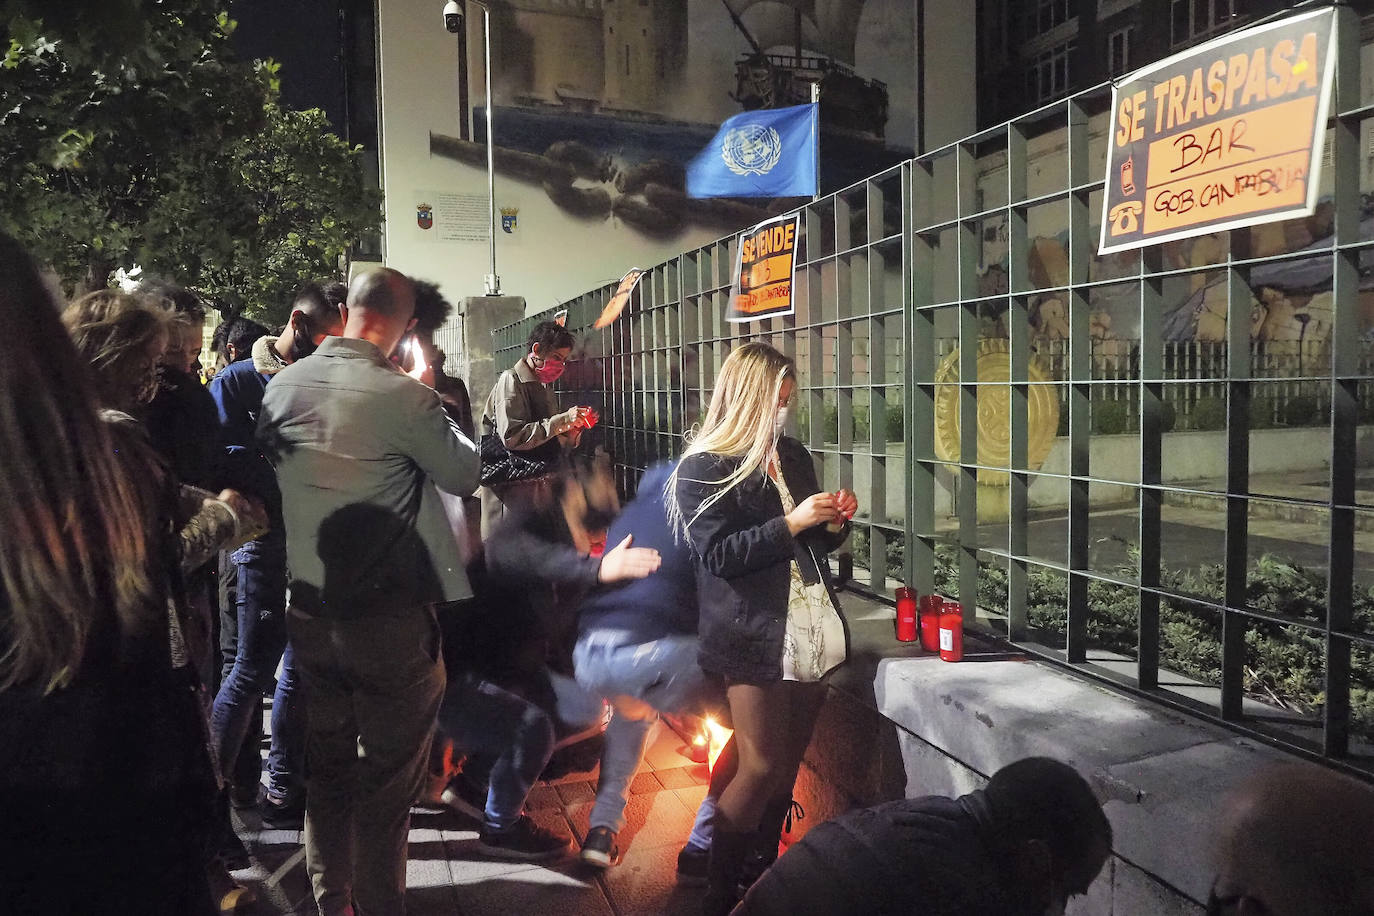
<point>765,261</point>
<point>1224,135</point>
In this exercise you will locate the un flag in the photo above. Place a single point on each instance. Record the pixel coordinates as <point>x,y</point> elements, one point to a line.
<point>766,153</point>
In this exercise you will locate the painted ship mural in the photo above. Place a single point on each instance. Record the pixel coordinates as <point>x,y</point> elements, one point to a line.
<point>590,102</point>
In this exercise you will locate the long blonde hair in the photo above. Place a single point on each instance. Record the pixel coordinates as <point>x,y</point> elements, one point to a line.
<point>75,544</point>
<point>112,332</point>
<point>739,421</point>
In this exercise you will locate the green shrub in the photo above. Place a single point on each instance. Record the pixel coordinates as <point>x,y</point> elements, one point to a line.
<point>860,416</point>
<point>1110,418</point>
<point>896,425</point>
<point>1209,414</point>
<point>1261,413</point>
<point>1303,411</point>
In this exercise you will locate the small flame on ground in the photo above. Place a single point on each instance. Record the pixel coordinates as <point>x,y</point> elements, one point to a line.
<point>716,736</point>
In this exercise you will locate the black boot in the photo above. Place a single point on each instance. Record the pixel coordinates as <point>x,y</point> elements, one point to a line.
<point>763,852</point>
<point>728,849</point>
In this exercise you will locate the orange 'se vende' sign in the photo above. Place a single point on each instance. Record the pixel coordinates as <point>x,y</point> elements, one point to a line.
<point>1224,135</point>
<point>765,263</point>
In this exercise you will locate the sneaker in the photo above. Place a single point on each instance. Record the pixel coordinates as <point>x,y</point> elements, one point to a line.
<point>692,864</point>
<point>525,841</point>
<point>464,797</point>
<point>280,813</point>
<point>600,849</point>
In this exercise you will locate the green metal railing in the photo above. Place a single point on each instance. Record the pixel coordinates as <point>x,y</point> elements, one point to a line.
<point>896,308</point>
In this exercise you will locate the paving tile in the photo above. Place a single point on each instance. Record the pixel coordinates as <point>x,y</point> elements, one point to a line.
<point>573,793</point>
<point>564,889</point>
<point>656,819</point>
<point>543,796</point>
<point>645,782</point>
<point>677,778</point>
<point>691,797</point>
<point>645,881</point>
<point>664,750</point>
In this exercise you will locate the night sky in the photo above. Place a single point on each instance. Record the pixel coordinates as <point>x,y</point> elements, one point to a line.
<point>303,36</point>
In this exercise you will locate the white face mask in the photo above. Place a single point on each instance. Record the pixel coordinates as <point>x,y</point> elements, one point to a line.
<point>780,420</point>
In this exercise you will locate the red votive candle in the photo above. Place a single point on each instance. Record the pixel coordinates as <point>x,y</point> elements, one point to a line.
<point>906,615</point>
<point>952,632</point>
<point>930,622</point>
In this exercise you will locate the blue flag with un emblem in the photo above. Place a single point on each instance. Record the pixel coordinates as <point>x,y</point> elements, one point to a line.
<point>766,153</point>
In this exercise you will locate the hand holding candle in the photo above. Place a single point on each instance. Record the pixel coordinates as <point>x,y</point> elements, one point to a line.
<point>587,417</point>
<point>846,504</point>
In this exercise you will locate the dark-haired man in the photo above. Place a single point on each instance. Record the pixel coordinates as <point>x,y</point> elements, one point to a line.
<point>361,451</point>
<point>253,625</point>
<point>1293,840</point>
<point>1033,838</point>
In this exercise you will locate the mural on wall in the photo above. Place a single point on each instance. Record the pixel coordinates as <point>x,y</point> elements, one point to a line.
<point>602,102</point>
<point>1291,300</point>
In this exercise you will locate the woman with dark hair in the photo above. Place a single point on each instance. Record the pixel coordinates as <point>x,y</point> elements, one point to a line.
<point>121,339</point>
<point>105,782</point>
<point>748,499</point>
<point>524,436</point>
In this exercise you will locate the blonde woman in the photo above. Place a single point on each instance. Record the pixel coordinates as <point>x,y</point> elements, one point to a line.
<point>760,525</point>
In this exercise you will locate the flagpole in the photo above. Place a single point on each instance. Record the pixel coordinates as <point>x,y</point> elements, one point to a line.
<point>816,135</point>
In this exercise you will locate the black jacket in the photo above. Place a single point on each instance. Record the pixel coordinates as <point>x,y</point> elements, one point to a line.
<point>663,603</point>
<point>931,856</point>
<point>744,549</point>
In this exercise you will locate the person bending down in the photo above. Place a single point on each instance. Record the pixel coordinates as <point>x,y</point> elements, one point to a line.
<point>637,646</point>
<point>1023,846</point>
<point>513,699</point>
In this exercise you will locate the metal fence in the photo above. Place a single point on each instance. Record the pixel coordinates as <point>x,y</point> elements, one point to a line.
<point>922,378</point>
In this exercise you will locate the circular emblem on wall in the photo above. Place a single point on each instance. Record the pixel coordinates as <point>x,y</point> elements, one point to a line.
<point>994,412</point>
<point>751,150</point>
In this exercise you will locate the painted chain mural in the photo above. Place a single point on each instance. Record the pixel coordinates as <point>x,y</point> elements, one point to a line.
<point>603,102</point>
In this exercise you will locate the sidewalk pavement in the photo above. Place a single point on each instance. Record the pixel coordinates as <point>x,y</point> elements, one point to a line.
<point>447,875</point>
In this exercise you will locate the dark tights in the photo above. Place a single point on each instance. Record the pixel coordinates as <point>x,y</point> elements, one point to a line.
<point>773,724</point>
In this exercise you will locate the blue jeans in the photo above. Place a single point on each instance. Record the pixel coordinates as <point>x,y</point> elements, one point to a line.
<point>509,740</point>
<point>262,642</point>
<point>641,679</point>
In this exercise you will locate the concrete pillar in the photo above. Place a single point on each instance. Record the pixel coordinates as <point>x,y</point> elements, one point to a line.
<point>478,369</point>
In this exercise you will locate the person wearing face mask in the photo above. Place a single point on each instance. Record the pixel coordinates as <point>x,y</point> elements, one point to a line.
<point>1033,838</point>
<point>1293,840</point>
<point>522,418</point>
<point>253,619</point>
<point>760,527</point>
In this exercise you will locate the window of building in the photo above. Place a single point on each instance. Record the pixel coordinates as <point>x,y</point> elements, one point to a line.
<point>1043,15</point>
<point>1047,77</point>
<point>1119,51</point>
<point>1193,20</point>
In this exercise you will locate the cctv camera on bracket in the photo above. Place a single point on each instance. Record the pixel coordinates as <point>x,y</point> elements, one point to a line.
<point>453,16</point>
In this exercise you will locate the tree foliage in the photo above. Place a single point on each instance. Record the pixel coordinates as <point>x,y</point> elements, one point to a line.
<point>158,147</point>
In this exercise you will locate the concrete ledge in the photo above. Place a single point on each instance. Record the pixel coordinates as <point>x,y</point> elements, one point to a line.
<point>903,723</point>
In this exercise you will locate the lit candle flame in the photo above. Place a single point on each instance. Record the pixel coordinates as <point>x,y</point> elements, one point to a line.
<point>717,736</point>
<point>417,357</point>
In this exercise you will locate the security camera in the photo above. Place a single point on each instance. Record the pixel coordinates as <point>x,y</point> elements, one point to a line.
<point>453,16</point>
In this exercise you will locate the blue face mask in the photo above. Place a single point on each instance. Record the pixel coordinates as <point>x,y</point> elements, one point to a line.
<point>780,420</point>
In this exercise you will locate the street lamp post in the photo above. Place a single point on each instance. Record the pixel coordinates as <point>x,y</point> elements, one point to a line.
<point>453,22</point>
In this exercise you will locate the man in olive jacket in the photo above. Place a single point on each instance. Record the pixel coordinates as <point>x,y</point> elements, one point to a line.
<point>359,449</point>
